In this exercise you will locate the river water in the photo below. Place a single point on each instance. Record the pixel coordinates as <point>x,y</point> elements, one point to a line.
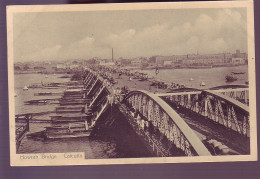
<point>102,148</point>
<point>212,77</point>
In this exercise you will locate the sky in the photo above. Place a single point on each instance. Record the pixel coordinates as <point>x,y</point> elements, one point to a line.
<point>84,35</point>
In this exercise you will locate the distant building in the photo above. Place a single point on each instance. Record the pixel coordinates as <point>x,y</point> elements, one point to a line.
<point>238,54</point>
<point>125,61</point>
<point>238,61</point>
<point>136,62</point>
<point>74,66</point>
<point>167,63</point>
<point>61,66</point>
<point>107,64</point>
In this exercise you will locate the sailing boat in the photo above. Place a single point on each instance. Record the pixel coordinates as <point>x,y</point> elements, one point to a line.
<point>156,71</point>
<point>25,88</point>
<point>202,84</point>
<point>231,78</point>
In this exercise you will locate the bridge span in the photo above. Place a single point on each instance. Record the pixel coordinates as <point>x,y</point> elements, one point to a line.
<point>215,106</point>
<point>186,121</point>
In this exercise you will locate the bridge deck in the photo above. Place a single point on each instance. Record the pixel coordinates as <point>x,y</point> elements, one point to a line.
<point>204,128</point>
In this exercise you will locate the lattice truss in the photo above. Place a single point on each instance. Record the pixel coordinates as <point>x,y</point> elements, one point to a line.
<point>161,120</point>
<point>216,109</point>
<point>88,81</point>
<point>241,95</point>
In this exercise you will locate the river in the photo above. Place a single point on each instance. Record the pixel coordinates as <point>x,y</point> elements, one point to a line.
<point>212,77</point>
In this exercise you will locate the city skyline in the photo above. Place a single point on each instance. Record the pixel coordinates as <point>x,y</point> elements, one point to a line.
<point>84,35</point>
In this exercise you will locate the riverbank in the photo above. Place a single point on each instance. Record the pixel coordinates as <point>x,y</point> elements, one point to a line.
<point>183,67</point>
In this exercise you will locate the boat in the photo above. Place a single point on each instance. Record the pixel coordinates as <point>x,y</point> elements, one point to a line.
<point>15,95</point>
<point>35,85</point>
<point>202,84</point>
<point>65,76</point>
<point>46,76</point>
<point>71,117</point>
<point>143,79</point>
<point>154,83</point>
<point>48,94</point>
<point>72,130</point>
<point>191,79</point>
<point>66,132</point>
<point>238,73</point>
<point>33,102</point>
<point>230,78</point>
<point>50,87</point>
<point>25,88</point>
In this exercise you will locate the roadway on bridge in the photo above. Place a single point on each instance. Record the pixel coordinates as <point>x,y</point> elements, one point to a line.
<point>206,128</point>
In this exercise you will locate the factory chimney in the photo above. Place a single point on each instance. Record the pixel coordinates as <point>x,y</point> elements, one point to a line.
<point>112,55</point>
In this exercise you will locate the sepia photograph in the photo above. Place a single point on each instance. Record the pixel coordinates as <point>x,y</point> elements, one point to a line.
<point>131,83</point>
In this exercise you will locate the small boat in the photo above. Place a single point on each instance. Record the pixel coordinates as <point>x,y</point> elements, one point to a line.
<point>143,79</point>
<point>15,95</point>
<point>50,87</point>
<point>191,79</point>
<point>46,76</point>
<point>230,78</point>
<point>65,76</point>
<point>35,85</point>
<point>25,88</point>
<point>72,130</point>
<point>33,102</point>
<point>202,84</point>
<point>66,132</point>
<point>48,94</point>
<point>238,73</point>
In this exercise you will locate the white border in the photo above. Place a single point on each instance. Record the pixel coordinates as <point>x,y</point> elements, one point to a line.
<point>15,158</point>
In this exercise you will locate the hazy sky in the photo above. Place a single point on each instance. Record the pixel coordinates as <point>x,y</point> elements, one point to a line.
<point>74,35</point>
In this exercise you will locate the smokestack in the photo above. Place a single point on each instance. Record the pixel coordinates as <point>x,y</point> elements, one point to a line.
<point>112,55</point>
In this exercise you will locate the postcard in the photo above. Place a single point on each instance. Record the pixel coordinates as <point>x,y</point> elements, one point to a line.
<point>132,83</point>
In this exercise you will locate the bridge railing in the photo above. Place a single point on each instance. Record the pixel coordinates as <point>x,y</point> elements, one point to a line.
<point>240,94</point>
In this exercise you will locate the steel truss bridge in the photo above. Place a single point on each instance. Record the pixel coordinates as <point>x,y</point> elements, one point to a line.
<point>219,112</point>
<point>185,122</point>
